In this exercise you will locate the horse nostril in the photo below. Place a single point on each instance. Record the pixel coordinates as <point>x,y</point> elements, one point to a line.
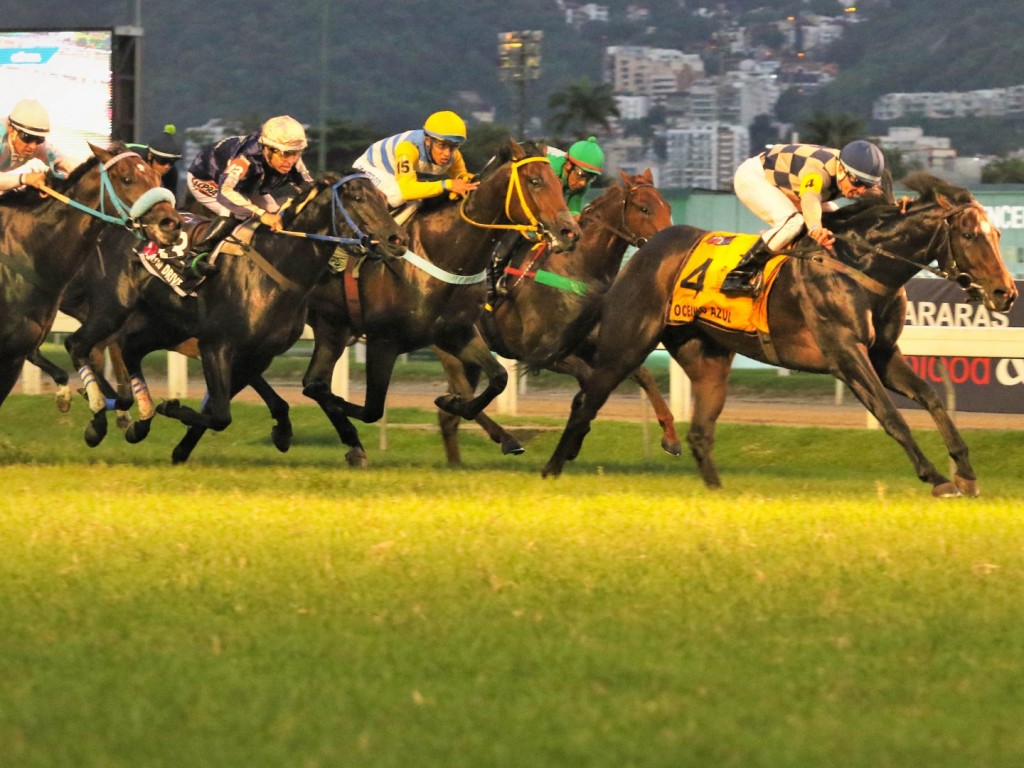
<point>395,240</point>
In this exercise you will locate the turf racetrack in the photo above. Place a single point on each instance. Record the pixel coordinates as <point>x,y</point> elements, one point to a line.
<point>260,609</point>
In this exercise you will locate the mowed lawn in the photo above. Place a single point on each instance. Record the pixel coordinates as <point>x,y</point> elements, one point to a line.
<point>253,608</point>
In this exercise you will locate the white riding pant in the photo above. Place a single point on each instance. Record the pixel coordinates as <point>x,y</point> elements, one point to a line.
<point>381,179</point>
<point>206,193</point>
<point>768,203</point>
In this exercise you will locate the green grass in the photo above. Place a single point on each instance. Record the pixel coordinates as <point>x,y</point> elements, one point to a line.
<point>262,609</point>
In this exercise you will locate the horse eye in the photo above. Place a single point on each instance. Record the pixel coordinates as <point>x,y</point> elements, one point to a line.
<point>645,210</point>
<point>968,235</point>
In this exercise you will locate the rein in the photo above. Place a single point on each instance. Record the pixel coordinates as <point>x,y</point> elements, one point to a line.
<point>105,187</point>
<point>877,287</point>
<point>516,185</point>
<point>362,239</point>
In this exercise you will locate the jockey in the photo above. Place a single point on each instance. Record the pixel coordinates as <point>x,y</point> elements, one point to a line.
<point>25,156</point>
<point>412,166</point>
<point>788,187</point>
<point>237,177</point>
<point>577,169</point>
<point>163,154</point>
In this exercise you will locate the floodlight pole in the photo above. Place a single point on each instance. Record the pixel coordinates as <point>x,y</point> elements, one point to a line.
<point>519,62</point>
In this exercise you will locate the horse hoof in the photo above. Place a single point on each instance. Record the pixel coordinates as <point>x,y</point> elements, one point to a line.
<point>179,457</point>
<point>137,431</point>
<point>672,448</point>
<point>282,437</point>
<point>167,407</point>
<point>551,471</point>
<point>63,403</point>
<point>356,458</point>
<point>946,490</point>
<point>968,488</point>
<point>124,420</point>
<point>512,448</point>
<point>450,403</point>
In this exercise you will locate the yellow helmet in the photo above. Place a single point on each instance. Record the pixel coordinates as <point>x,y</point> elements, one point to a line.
<point>284,133</point>
<point>446,126</point>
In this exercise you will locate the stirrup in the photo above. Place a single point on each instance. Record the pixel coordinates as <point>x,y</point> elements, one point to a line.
<point>751,286</point>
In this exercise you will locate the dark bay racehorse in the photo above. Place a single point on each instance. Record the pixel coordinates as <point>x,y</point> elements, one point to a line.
<point>408,306</point>
<point>546,293</point>
<point>46,239</point>
<point>841,316</point>
<point>251,311</point>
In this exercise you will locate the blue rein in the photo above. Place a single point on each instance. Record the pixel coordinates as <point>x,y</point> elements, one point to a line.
<point>361,238</point>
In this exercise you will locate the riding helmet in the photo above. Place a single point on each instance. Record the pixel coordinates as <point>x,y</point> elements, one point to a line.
<point>446,126</point>
<point>165,145</point>
<point>588,155</point>
<point>284,133</point>
<point>29,116</point>
<point>864,161</point>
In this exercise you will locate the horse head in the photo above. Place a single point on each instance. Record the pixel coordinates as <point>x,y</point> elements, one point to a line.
<point>972,259</point>
<point>365,209</point>
<point>645,212</point>
<point>532,194</point>
<point>132,188</point>
<point>347,210</point>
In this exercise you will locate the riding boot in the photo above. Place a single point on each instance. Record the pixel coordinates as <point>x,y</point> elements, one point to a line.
<point>201,249</point>
<point>746,278</point>
<point>499,259</point>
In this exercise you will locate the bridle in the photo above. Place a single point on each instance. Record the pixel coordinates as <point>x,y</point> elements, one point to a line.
<point>128,216</point>
<point>515,187</point>
<point>634,240</point>
<point>947,268</point>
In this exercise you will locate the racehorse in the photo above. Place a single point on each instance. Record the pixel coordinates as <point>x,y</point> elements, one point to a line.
<point>46,239</point>
<point>436,295</point>
<point>251,311</point>
<point>546,293</point>
<point>841,315</point>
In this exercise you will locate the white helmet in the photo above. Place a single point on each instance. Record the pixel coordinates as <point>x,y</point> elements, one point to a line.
<point>30,116</point>
<point>284,133</point>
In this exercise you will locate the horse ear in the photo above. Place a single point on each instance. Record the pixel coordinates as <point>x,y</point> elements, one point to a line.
<point>100,152</point>
<point>647,176</point>
<point>943,201</point>
<point>518,153</point>
<point>627,182</point>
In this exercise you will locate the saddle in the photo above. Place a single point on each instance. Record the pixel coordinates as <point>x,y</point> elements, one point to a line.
<point>696,296</point>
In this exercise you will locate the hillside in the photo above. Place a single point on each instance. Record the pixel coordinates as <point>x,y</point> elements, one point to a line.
<point>390,64</point>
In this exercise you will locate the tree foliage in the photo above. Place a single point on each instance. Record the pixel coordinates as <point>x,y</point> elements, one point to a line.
<point>581,108</point>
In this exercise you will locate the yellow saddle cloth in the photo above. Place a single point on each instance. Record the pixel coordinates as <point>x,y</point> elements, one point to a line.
<point>697,297</point>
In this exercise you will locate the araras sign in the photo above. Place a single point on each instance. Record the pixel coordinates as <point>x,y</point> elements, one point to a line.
<point>980,384</point>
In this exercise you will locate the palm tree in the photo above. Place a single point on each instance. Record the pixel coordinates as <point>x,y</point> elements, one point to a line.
<point>581,107</point>
<point>832,130</point>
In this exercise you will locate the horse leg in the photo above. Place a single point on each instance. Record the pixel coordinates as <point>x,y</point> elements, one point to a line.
<point>328,346</point>
<point>123,392</point>
<point>281,433</point>
<point>708,371</point>
<point>856,371</point>
<point>59,376</point>
<point>585,405</point>
<point>670,442</point>
<point>474,352</point>
<point>10,370</point>
<point>462,382</point>
<point>81,346</point>
<point>216,410</point>
<point>900,377</point>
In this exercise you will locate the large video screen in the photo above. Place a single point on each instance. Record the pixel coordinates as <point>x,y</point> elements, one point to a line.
<point>69,73</point>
